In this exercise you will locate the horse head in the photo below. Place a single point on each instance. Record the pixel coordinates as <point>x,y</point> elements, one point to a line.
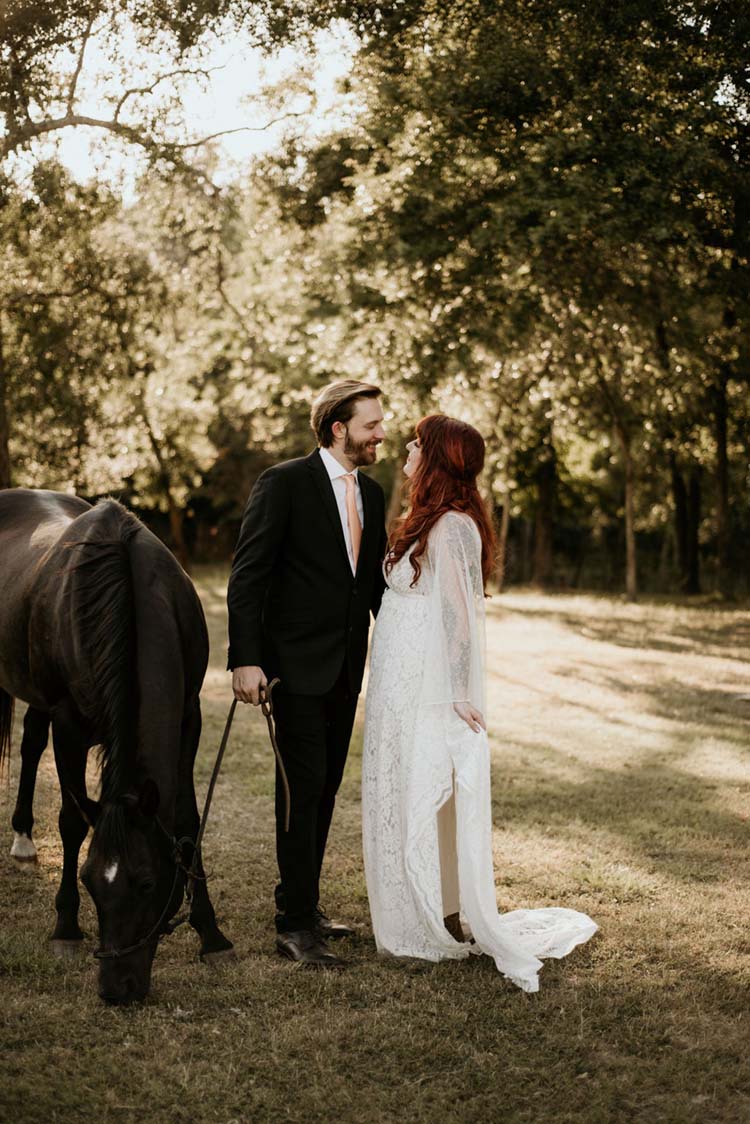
<point>133,877</point>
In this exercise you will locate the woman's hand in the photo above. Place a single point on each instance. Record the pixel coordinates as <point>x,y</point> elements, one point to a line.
<point>471,716</point>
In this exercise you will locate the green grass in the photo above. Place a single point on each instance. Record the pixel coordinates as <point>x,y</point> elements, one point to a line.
<point>621,786</point>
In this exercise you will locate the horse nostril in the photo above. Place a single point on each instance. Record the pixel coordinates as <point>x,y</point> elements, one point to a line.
<point>137,990</point>
<point>124,989</point>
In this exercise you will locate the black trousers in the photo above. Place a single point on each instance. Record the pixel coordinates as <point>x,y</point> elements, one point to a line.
<point>313,734</point>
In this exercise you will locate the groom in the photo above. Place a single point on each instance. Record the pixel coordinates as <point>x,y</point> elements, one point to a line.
<point>306,576</point>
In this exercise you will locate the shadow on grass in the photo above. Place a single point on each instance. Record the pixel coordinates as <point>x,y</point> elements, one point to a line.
<point>678,629</point>
<point>553,697</point>
<point>664,817</point>
<point>726,713</point>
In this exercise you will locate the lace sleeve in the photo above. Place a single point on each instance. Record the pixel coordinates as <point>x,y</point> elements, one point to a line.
<point>454,659</point>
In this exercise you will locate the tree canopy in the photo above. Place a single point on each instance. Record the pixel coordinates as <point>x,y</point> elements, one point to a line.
<point>536,217</point>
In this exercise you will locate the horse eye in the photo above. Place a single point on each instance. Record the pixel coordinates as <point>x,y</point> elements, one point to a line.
<point>146,887</point>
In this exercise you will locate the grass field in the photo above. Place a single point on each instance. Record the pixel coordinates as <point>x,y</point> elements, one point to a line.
<point>621,787</point>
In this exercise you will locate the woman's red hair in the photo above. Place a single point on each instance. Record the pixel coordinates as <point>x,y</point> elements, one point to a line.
<point>445,480</point>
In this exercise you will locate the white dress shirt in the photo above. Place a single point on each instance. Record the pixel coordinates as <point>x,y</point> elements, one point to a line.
<point>336,472</point>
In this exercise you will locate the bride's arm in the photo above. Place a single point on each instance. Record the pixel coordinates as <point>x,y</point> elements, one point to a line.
<point>455,661</point>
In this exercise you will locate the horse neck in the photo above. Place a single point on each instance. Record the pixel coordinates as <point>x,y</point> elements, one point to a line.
<point>137,617</point>
<point>161,702</point>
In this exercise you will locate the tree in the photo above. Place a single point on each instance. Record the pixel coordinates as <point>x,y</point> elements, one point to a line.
<point>542,170</point>
<point>61,303</point>
<point>45,47</point>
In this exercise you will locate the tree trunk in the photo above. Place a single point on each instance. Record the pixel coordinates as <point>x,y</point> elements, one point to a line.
<point>177,529</point>
<point>736,298</point>
<point>546,491</point>
<point>631,566</point>
<point>395,498</point>
<point>692,556</point>
<point>176,514</point>
<point>543,523</point>
<point>502,544</point>
<point>679,497</point>
<point>527,530</point>
<point>687,503</point>
<point>5,474</point>
<point>666,562</point>
<point>721,425</point>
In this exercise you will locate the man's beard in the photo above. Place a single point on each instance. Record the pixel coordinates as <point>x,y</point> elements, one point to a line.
<point>359,453</point>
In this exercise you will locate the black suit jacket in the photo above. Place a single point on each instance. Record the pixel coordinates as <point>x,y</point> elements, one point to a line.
<point>295,608</point>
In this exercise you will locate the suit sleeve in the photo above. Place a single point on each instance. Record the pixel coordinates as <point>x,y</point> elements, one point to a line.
<point>261,536</point>
<point>379,584</point>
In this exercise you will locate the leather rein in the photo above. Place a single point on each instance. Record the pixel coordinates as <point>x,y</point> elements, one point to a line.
<point>163,927</point>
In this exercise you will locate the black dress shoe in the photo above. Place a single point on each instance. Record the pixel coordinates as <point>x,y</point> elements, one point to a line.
<point>307,947</point>
<point>331,930</point>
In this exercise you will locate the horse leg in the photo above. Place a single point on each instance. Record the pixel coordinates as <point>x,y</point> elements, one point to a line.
<point>33,744</point>
<point>71,749</point>
<point>214,945</point>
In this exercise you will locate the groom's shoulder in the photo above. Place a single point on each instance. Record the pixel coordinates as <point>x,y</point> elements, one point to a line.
<point>291,468</point>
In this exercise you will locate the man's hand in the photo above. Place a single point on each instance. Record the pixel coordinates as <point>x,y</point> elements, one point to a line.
<point>471,716</point>
<point>247,682</point>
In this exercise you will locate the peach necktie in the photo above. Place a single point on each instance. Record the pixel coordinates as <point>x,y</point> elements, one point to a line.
<point>352,516</point>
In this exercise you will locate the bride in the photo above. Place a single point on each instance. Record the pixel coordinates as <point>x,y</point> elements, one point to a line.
<point>427,826</point>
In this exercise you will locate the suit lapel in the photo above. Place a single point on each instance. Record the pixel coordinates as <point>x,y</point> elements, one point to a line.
<point>367,518</point>
<point>323,481</point>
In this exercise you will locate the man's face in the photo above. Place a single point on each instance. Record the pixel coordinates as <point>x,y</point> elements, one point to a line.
<point>359,438</point>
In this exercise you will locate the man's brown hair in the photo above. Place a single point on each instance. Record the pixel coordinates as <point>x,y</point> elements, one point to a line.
<point>336,403</point>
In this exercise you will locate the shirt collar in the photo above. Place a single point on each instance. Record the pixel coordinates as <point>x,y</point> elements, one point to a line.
<point>333,468</point>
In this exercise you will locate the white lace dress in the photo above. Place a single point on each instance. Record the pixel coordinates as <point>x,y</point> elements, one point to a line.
<point>426,806</point>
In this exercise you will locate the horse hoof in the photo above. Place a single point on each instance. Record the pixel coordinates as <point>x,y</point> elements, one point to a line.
<point>23,849</point>
<point>65,950</point>
<point>223,956</point>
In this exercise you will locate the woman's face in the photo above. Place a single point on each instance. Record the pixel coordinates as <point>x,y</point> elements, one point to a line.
<point>414,457</point>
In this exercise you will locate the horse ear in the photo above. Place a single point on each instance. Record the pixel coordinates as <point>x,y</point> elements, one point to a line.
<point>146,801</point>
<point>148,798</point>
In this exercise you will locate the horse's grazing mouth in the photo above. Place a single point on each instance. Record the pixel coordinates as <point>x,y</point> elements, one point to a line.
<point>131,993</point>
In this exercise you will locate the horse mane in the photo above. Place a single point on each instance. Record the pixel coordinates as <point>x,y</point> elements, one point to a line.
<point>103,620</point>
<point>111,831</point>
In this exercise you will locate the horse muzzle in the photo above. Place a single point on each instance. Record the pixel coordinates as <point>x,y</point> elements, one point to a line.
<point>124,982</point>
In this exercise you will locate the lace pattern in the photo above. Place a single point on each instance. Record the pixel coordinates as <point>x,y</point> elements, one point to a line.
<point>427,652</point>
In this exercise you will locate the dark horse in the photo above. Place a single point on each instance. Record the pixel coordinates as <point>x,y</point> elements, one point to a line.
<point>103,635</point>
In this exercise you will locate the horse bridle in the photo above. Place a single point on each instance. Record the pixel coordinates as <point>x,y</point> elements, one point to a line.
<point>159,928</point>
<point>165,927</point>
